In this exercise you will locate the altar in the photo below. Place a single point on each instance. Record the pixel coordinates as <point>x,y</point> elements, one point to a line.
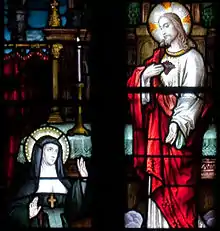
<point>82,146</point>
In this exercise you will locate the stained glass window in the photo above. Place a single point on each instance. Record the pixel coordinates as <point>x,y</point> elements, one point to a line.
<point>163,152</point>
<point>41,46</point>
<point>170,134</point>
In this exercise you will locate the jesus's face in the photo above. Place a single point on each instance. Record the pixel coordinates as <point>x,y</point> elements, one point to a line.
<point>50,152</point>
<point>168,30</point>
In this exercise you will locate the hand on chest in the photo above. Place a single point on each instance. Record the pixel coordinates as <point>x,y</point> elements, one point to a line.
<point>168,66</point>
<point>170,76</point>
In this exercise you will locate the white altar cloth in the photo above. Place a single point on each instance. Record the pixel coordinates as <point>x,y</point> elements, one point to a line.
<point>82,145</point>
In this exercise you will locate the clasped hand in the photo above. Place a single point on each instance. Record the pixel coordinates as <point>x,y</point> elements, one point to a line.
<point>153,70</point>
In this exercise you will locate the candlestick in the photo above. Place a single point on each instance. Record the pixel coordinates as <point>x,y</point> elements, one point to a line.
<point>79,58</point>
<point>79,128</point>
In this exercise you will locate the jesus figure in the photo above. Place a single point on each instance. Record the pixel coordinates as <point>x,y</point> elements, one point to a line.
<point>168,129</point>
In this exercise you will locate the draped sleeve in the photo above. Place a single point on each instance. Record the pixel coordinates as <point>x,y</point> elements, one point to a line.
<point>190,105</point>
<point>78,201</point>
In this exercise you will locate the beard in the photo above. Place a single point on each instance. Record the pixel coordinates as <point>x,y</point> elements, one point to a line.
<point>166,42</point>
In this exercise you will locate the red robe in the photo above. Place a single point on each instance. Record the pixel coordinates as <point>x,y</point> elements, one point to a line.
<point>174,176</point>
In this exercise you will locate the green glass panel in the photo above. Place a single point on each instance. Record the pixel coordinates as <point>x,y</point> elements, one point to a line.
<point>208,16</point>
<point>134,13</point>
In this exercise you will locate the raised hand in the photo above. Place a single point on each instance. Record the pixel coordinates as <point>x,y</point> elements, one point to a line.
<point>82,167</point>
<point>33,208</point>
<point>153,70</point>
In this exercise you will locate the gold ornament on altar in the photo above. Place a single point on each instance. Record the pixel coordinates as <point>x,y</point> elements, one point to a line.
<point>168,7</point>
<point>54,20</point>
<point>47,131</point>
<point>56,50</point>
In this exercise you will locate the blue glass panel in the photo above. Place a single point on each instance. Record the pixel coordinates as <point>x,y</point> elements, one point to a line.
<point>37,19</point>
<point>63,20</point>
<point>7,51</point>
<point>43,50</point>
<point>7,34</point>
<point>63,9</point>
<point>5,20</point>
<point>34,35</point>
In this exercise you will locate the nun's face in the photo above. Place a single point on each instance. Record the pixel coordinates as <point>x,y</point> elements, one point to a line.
<point>50,152</point>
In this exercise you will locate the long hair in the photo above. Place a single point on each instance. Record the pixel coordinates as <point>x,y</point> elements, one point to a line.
<point>181,34</point>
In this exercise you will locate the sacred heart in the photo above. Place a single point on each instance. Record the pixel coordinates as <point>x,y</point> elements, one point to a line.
<point>168,66</point>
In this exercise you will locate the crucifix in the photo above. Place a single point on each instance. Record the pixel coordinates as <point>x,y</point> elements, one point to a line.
<point>52,200</point>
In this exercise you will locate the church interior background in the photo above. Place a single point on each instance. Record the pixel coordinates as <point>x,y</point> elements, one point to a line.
<point>41,64</point>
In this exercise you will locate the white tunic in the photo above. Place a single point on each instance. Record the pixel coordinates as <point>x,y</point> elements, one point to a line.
<point>189,71</point>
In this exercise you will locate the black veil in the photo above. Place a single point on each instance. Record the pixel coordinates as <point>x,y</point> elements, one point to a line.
<point>31,186</point>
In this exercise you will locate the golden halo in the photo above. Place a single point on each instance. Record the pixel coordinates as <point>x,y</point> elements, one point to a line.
<point>47,131</point>
<point>168,7</point>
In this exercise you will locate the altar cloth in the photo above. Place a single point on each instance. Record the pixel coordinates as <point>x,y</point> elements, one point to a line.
<point>82,145</point>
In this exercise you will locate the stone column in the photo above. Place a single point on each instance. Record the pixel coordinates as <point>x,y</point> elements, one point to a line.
<point>55,22</point>
<point>55,112</point>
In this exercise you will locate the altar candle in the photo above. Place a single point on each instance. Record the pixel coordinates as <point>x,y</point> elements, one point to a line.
<point>79,58</point>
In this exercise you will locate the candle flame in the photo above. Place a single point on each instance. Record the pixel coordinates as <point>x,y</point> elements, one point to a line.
<point>78,39</point>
